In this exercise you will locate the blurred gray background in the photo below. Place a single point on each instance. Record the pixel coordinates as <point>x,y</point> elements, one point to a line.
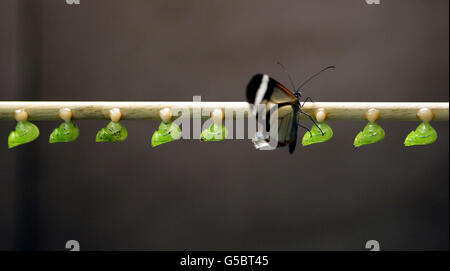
<point>189,195</point>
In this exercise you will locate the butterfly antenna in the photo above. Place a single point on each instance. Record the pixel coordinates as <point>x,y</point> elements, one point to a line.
<point>288,74</point>
<point>314,75</point>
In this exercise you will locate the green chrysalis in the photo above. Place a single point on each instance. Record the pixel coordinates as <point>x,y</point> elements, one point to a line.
<point>25,132</point>
<point>372,133</point>
<point>167,132</point>
<point>114,132</point>
<point>215,132</point>
<point>66,132</point>
<point>423,135</point>
<point>316,135</point>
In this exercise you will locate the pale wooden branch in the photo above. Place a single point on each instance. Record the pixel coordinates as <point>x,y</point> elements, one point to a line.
<point>48,110</point>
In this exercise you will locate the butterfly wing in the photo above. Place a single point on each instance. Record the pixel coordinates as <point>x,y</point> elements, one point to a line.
<point>294,132</point>
<point>262,89</point>
<point>283,125</point>
<point>281,109</point>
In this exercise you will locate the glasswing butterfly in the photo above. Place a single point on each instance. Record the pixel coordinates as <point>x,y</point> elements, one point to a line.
<point>279,108</point>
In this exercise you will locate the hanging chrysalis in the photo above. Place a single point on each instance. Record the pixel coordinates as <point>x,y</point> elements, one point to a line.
<point>316,135</point>
<point>114,131</point>
<point>167,130</point>
<point>424,134</point>
<point>320,132</point>
<point>216,131</point>
<point>372,133</point>
<point>66,132</point>
<point>25,131</point>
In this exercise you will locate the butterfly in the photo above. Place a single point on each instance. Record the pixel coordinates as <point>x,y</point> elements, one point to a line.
<point>280,109</point>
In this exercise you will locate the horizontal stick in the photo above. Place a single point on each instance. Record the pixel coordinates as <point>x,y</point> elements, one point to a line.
<point>150,110</point>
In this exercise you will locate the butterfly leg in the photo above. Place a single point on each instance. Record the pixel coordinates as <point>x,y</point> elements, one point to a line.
<point>307,98</point>
<point>312,119</point>
<point>306,128</point>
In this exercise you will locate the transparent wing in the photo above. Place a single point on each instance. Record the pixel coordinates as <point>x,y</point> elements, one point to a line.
<point>283,125</point>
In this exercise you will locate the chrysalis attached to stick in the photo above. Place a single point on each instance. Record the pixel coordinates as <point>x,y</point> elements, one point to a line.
<point>25,131</point>
<point>66,132</point>
<point>319,133</point>
<point>424,134</point>
<point>114,131</point>
<point>373,132</point>
<point>168,131</point>
<point>217,131</point>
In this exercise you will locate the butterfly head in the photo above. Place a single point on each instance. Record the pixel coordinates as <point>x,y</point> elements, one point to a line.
<point>298,94</point>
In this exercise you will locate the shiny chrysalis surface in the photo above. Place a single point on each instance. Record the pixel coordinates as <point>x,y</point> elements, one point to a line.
<point>25,132</point>
<point>215,132</point>
<point>66,132</point>
<point>167,132</point>
<point>372,133</point>
<point>114,132</point>
<point>316,135</point>
<point>423,135</point>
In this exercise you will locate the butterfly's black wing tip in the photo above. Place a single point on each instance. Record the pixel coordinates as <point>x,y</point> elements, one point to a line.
<point>253,87</point>
<point>292,146</point>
